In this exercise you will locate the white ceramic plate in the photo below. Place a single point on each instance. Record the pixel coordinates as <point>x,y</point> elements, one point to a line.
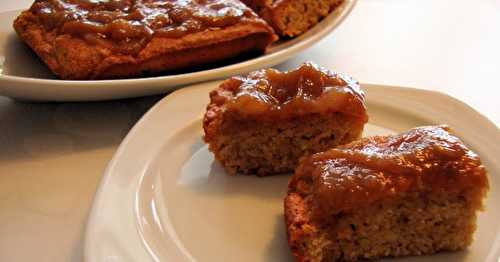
<point>163,198</point>
<point>24,76</point>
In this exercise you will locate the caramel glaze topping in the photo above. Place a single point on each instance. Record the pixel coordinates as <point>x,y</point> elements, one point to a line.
<point>130,24</point>
<point>381,167</point>
<point>277,95</point>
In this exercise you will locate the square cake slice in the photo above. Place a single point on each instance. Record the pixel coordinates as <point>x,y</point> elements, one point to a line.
<point>264,122</point>
<point>82,39</point>
<point>409,194</point>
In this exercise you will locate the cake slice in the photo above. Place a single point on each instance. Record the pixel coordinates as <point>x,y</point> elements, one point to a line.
<point>293,17</point>
<point>414,193</point>
<point>264,122</point>
<point>82,39</point>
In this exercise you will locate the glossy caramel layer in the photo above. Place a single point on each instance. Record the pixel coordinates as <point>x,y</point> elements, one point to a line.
<point>307,89</point>
<point>132,23</point>
<point>382,167</point>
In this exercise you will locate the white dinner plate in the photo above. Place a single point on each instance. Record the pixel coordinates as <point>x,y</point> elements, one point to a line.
<point>24,76</point>
<point>163,198</point>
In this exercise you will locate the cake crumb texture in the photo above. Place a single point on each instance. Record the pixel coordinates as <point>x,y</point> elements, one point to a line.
<point>293,17</point>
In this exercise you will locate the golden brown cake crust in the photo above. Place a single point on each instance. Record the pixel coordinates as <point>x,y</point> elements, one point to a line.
<point>407,194</point>
<point>97,53</point>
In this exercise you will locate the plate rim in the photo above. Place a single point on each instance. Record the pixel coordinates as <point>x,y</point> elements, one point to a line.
<point>110,171</point>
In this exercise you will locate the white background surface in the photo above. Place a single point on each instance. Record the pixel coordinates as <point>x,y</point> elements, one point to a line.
<point>52,155</point>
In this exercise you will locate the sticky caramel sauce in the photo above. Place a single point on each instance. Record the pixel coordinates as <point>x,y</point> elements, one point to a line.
<point>133,23</point>
<point>308,89</point>
<point>426,158</point>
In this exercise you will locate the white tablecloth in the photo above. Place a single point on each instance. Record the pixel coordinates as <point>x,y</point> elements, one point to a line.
<point>52,155</point>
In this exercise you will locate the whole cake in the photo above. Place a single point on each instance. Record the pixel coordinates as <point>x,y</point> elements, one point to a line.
<point>86,39</point>
<point>409,194</point>
<point>264,122</point>
<point>293,17</point>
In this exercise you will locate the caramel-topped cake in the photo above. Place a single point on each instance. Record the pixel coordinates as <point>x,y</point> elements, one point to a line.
<point>264,122</point>
<point>86,39</point>
<point>409,194</point>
